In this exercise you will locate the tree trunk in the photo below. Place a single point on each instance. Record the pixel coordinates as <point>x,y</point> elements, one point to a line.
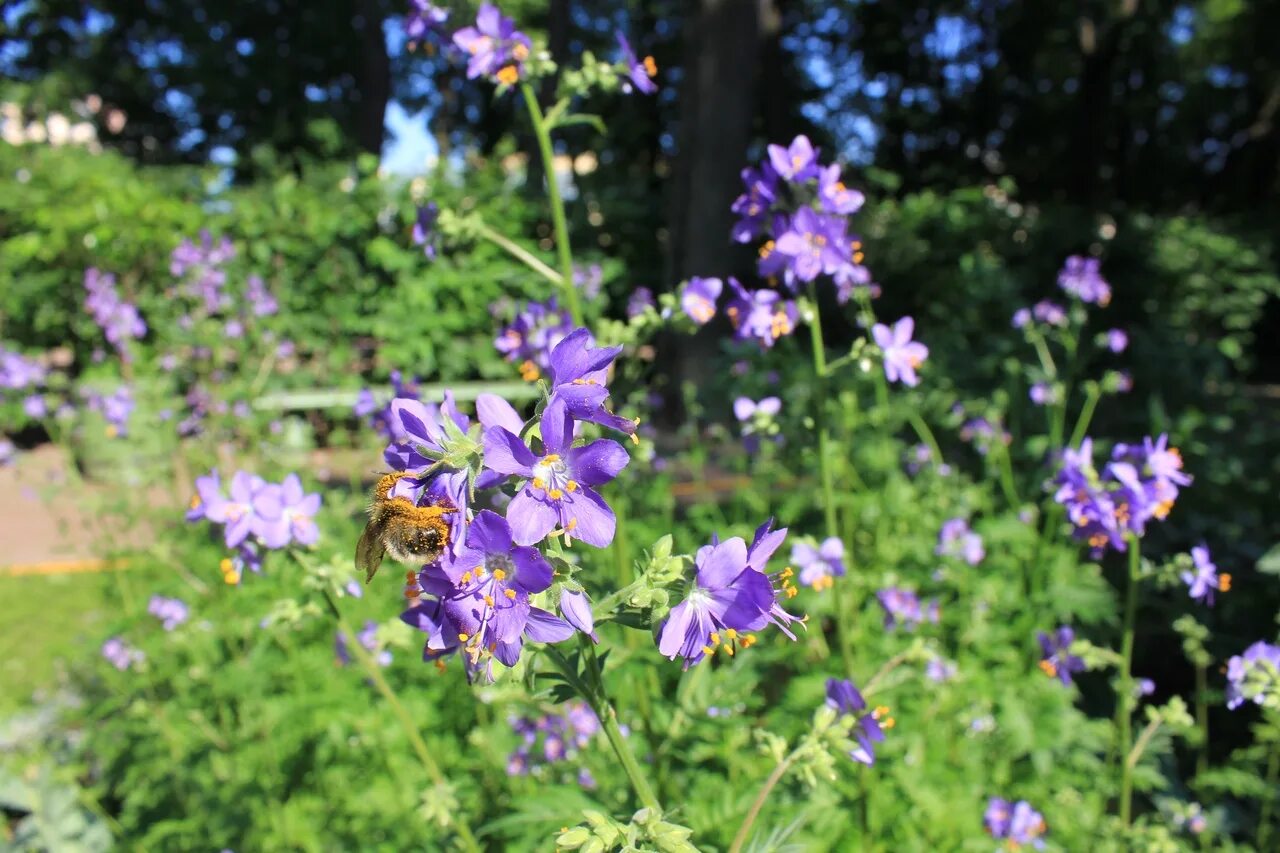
<point>375,83</point>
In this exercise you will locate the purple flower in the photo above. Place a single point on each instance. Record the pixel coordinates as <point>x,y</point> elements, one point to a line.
<point>639,74</point>
<point>844,697</point>
<point>33,406</point>
<point>121,655</point>
<point>819,567</point>
<point>940,670</point>
<point>1081,278</point>
<point>424,229</point>
<point>1021,318</point>
<point>957,540</point>
<point>814,244</point>
<point>1117,341</point>
<point>532,335</point>
<point>118,319</point>
<point>7,452</point>
<point>367,638</point>
<point>264,304</point>
<point>558,487</point>
<point>834,196</point>
<point>1204,579</point>
<point>640,301</point>
<point>698,299</point>
<point>1057,660</point>
<point>577,375</point>
<point>730,597</point>
<point>901,354</point>
<point>422,19</point>
<point>762,316</point>
<point>236,512</point>
<point>1015,823</point>
<point>797,162</point>
<point>286,514</point>
<point>1049,313</point>
<point>1045,394</point>
<point>903,607</point>
<point>170,611</point>
<point>1254,676</point>
<point>575,607</point>
<point>497,49</point>
<point>755,203</point>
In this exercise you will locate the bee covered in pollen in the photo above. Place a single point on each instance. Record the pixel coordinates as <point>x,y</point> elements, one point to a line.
<point>411,534</point>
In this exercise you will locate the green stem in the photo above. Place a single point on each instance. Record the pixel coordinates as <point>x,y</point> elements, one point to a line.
<point>1006,477</point>
<point>374,672</point>
<point>1131,761</point>
<point>1202,718</point>
<point>521,254</point>
<point>925,434</point>
<point>1125,699</point>
<point>1264,818</point>
<point>604,709</point>
<point>1091,395</point>
<point>769,784</point>
<point>563,250</point>
<point>824,462</point>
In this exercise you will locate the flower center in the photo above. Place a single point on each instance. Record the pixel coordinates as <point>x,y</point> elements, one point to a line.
<point>551,474</point>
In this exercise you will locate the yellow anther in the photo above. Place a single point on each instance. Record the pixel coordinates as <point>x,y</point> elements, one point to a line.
<point>714,637</point>
<point>463,637</point>
<point>791,591</point>
<point>748,641</point>
<point>857,257</point>
<point>551,457</point>
<point>488,600</point>
<point>555,494</point>
<point>1049,668</point>
<point>708,651</point>
<point>440,665</point>
<point>509,593</point>
<point>650,66</point>
<point>410,576</point>
<point>226,565</point>
<point>412,592</point>
<point>520,52</point>
<point>786,573</point>
<point>508,75</point>
<point>539,483</point>
<point>499,574</point>
<point>767,249</point>
<point>466,577</point>
<point>571,486</point>
<point>1224,582</point>
<point>731,633</point>
<point>111,431</point>
<point>529,371</point>
<point>195,501</point>
<point>728,649</point>
<point>573,522</point>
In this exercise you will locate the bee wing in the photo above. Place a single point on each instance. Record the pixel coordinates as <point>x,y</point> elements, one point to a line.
<point>369,550</point>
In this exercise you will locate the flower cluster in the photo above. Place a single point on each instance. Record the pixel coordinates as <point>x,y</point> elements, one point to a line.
<point>119,320</point>
<point>423,19</point>
<point>844,697</point>
<point>254,512</point>
<point>819,566</point>
<point>1057,660</point>
<point>1254,676</point>
<point>801,208</point>
<point>1044,312</point>
<point>730,599</point>
<point>115,408</point>
<point>121,655</point>
<point>1140,483</point>
<point>496,49</point>
<point>201,265</point>
<point>903,607</point>
<point>982,433</point>
<point>380,417</point>
<point>1082,278</point>
<point>1016,824</point>
<point>529,339</point>
<point>172,612</point>
<point>957,540</point>
<point>367,637</point>
<point>758,419</point>
<point>552,739</point>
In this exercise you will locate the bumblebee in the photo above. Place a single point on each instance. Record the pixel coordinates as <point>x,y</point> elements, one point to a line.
<point>411,534</point>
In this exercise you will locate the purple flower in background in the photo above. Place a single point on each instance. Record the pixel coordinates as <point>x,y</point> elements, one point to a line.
<point>172,612</point>
<point>34,407</point>
<point>424,229</point>
<point>757,420</point>
<point>1015,823</point>
<point>728,599</point>
<point>1117,341</point>
<point>1082,278</point>
<point>115,409</point>
<point>753,206</point>
<point>367,637</point>
<point>236,512</point>
<point>1254,676</point>
<point>562,735</point>
<point>1204,579</point>
<point>762,316</point>
<point>797,162</point>
<point>983,433</point>
<point>202,268</point>
<point>845,698</point>
<point>118,319</point>
<point>1045,394</point>
<point>901,354</point>
<point>639,73</point>
<point>903,607</point>
<point>7,452</point>
<point>422,19</point>
<point>121,655</point>
<point>18,372</point>
<point>940,670</point>
<point>1057,661</point>
<point>852,277</point>
<point>497,49</point>
<point>820,566</point>
<point>640,301</point>
<point>834,196</point>
<point>1021,318</point>
<point>532,335</point>
<point>264,304</point>
<point>957,540</point>
<point>558,487</point>
<point>1049,313</point>
<point>286,514</point>
<point>698,299</point>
